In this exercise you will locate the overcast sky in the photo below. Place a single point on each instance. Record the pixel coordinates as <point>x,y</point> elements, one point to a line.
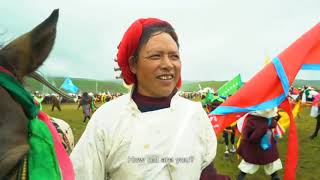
<point>219,38</point>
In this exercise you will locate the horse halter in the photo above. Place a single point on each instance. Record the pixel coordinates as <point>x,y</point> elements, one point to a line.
<point>3,69</point>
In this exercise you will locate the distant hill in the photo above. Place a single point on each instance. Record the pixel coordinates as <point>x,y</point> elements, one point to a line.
<point>113,86</point>
<point>87,85</point>
<point>194,85</point>
<point>301,82</point>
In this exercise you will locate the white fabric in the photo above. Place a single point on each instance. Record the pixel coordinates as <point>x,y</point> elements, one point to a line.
<point>122,143</point>
<point>313,93</point>
<point>252,168</point>
<point>314,111</point>
<point>240,122</point>
<point>294,96</point>
<point>267,113</point>
<point>304,98</point>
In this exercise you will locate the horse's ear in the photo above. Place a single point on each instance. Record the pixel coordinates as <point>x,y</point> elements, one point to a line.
<point>30,50</point>
<point>42,39</point>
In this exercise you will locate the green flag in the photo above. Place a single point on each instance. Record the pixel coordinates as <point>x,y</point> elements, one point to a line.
<point>230,87</point>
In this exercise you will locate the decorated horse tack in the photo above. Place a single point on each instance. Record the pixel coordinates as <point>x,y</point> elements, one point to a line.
<point>65,131</point>
<point>30,144</point>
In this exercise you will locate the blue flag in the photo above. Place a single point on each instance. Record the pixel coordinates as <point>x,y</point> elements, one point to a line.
<point>69,86</point>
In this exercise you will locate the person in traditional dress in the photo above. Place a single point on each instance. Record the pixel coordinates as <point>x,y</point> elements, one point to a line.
<point>253,150</point>
<point>151,132</point>
<point>315,113</point>
<point>56,100</point>
<point>93,102</point>
<point>85,103</point>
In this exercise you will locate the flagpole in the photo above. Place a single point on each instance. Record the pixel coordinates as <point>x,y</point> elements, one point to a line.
<point>46,78</point>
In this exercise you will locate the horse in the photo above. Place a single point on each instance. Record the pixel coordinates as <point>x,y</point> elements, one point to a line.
<point>20,58</point>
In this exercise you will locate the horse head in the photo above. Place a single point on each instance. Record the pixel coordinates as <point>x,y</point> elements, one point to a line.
<point>19,58</point>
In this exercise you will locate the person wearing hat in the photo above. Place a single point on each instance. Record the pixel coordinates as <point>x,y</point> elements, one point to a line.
<point>258,146</point>
<point>151,132</point>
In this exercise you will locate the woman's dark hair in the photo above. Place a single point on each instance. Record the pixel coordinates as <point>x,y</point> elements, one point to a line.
<point>85,94</point>
<point>150,31</point>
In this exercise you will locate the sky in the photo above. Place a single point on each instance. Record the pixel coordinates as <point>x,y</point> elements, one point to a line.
<point>218,38</point>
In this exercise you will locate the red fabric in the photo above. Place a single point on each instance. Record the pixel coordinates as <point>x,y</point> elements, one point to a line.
<point>65,163</point>
<point>2,69</point>
<point>296,91</point>
<point>220,122</point>
<point>292,150</point>
<point>316,100</point>
<point>266,85</point>
<point>129,45</point>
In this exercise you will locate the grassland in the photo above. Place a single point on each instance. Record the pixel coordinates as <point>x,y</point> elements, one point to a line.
<point>309,150</point>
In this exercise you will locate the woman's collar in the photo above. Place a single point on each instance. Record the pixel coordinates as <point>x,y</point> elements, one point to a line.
<point>133,105</point>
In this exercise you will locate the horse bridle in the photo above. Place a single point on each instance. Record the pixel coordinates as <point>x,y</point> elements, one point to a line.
<point>3,69</point>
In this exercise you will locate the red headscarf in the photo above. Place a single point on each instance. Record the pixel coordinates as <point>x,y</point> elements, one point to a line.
<point>129,45</point>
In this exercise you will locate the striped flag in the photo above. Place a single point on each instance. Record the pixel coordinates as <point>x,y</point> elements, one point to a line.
<point>270,87</point>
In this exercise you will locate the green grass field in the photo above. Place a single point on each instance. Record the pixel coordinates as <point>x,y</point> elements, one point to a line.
<point>309,150</point>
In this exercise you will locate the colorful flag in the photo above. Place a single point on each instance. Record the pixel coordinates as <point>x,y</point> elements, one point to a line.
<point>284,120</point>
<point>210,98</point>
<point>230,87</point>
<point>69,86</point>
<point>270,87</point>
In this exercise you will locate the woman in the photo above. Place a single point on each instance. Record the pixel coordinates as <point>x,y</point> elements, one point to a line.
<point>152,132</point>
<point>85,102</point>
<point>315,113</point>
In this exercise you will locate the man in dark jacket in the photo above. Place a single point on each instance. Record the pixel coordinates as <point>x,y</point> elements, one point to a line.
<point>55,102</point>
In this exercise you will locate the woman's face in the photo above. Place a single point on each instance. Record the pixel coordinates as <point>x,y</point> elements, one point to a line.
<point>158,67</point>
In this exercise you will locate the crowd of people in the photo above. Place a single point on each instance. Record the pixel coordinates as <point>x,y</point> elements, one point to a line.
<point>154,132</point>
<point>250,148</point>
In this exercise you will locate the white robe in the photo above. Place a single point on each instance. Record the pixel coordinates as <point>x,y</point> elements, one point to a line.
<point>122,143</point>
